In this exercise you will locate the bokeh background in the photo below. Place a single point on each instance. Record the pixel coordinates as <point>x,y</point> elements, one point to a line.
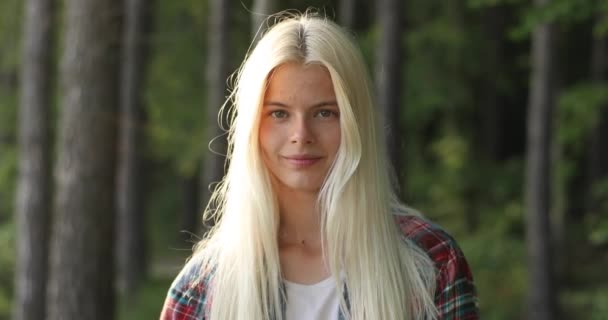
<point>497,113</point>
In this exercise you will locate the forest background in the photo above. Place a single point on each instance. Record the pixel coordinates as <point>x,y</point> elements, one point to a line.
<point>498,113</point>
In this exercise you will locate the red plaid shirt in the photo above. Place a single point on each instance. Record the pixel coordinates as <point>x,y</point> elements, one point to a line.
<point>455,295</point>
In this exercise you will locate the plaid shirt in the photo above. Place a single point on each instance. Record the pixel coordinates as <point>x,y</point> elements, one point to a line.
<point>455,295</point>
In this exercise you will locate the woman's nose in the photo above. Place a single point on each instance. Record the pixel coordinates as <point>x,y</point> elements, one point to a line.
<point>301,132</point>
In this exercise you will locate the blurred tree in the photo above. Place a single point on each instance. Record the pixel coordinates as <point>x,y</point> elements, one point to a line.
<point>261,10</point>
<point>598,152</point>
<point>492,103</point>
<point>32,206</point>
<point>541,303</point>
<point>217,73</point>
<point>11,34</point>
<point>10,38</point>
<point>81,276</point>
<point>131,246</point>
<point>346,13</point>
<point>175,125</point>
<point>389,70</point>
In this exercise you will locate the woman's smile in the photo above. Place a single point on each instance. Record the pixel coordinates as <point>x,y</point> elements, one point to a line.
<point>302,161</point>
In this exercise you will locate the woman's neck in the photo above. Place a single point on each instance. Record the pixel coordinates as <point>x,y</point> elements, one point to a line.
<point>299,216</point>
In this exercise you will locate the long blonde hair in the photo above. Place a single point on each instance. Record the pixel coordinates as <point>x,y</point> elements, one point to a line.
<point>386,276</point>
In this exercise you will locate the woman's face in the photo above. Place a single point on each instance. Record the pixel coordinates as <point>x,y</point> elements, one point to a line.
<point>300,126</point>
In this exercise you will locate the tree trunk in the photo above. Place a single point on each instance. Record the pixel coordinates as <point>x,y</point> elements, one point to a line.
<point>491,127</point>
<point>33,185</point>
<point>541,296</point>
<point>346,13</point>
<point>261,10</point>
<point>598,153</point>
<point>389,68</point>
<point>81,279</point>
<point>217,73</point>
<point>131,249</point>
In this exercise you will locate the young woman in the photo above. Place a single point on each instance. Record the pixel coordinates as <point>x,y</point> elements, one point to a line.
<point>308,225</point>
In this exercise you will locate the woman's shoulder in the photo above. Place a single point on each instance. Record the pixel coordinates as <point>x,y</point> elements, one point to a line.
<point>187,295</point>
<point>438,244</point>
<point>455,292</point>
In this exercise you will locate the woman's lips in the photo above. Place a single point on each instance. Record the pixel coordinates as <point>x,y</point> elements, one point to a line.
<point>302,161</point>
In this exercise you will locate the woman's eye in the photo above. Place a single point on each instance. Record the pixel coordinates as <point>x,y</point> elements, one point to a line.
<point>278,114</point>
<point>325,113</point>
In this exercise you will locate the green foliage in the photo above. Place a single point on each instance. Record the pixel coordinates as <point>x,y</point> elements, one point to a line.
<point>591,303</point>
<point>163,208</point>
<point>149,303</point>
<point>9,56</point>
<point>601,23</point>
<point>8,176</point>
<point>7,267</point>
<point>453,186</point>
<point>498,264</point>
<point>8,152</point>
<point>578,111</point>
<point>598,220</point>
<point>447,196</point>
<point>10,27</point>
<point>439,64</point>
<point>176,106</point>
<point>480,4</point>
<point>557,11</point>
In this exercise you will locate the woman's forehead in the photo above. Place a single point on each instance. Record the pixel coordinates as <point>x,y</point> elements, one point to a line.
<point>300,81</point>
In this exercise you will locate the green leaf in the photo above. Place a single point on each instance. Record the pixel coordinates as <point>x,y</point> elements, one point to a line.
<point>578,112</point>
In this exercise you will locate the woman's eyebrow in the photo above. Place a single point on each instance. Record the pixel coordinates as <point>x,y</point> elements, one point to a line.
<point>271,103</point>
<point>325,103</point>
<point>275,104</point>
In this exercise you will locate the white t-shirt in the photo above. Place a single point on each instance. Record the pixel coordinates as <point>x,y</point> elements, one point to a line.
<point>319,301</point>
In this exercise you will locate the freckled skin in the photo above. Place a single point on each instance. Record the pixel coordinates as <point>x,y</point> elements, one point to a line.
<point>300,126</point>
